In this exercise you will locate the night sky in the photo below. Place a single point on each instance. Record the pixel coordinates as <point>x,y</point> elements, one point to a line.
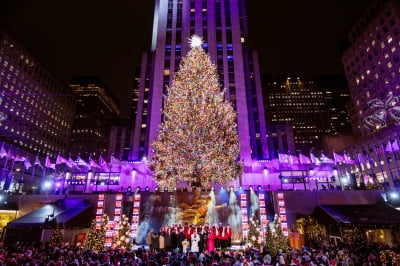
<point>106,38</point>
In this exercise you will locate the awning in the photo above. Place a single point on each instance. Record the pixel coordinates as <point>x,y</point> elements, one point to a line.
<point>64,211</point>
<point>372,214</point>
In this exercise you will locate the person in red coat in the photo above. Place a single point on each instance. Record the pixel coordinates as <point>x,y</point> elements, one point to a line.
<point>224,239</point>
<point>210,240</point>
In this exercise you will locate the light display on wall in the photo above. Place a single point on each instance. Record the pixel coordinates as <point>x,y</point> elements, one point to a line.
<point>263,211</point>
<point>383,111</point>
<point>99,210</point>
<point>245,219</point>
<point>135,215</point>
<point>282,213</point>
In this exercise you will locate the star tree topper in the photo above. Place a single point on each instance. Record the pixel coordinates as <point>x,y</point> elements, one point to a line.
<point>195,41</point>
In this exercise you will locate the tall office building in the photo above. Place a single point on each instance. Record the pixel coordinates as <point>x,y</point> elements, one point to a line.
<point>96,110</point>
<point>301,103</point>
<point>371,60</point>
<point>37,108</point>
<point>222,25</point>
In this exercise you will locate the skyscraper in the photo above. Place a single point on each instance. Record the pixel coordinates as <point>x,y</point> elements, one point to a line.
<point>222,25</point>
<point>371,61</point>
<point>95,112</point>
<point>38,108</point>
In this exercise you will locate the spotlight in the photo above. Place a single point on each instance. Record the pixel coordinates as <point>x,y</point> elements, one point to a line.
<point>240,188</point>
<point>222,188</point>
<point>175,188</point>
<point>259,187</point>
<point>147,188</point>
<point>156,189</point>
<point>231,188</point>
<point>212,189</point>
<point>165,189</point>
<point>251,187</point>
<point>393,195</point>
<point>137,189</point>
<point>129,189</point>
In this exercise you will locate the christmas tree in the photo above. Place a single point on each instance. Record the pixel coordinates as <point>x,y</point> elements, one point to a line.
<point>255,234</point>
<point>91,236</point>
<point>281,240</point>
<point>270,241</point>
<point>122,237</point>
<point>56,237</point>
<point>101,234</point>
<point>198,140</point>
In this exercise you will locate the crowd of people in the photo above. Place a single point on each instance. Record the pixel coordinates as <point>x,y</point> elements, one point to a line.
<point>321,255</point>
<point>191,238</point>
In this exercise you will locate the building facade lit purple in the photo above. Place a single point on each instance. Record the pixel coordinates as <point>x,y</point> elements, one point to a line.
<point>372,65</point>
<point>39,109</point>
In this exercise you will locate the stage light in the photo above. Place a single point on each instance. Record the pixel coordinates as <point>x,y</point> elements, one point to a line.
<point>222,188</point>
<point>265,171</point>
<point>47,184</point>
<point>259,187</point>
<point>137,189</point>
<point>147,188</point>
<point>129,189</point>
<point>231,188</point>
<point>156,189</point>
<point>175,188</point>
<point>251,187</point>
<point>393,195</point>
<point>335,171</point>
<point>165,189</point>
<point>240,188</point>
<point>212,189</point>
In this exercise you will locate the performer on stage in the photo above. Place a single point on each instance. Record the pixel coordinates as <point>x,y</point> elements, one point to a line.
<point>210,240</point>
<point>195,238</point>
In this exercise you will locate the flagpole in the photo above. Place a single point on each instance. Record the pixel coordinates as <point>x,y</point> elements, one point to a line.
<point>376,183</point>
<point>389,168</point>
<point>380,165</point>
<point>395,159</point>
<point>4,168</point>
<point>359,166</point>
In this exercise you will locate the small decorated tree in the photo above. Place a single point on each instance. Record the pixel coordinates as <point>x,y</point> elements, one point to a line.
<point>101,234</point>
<point>56,237</point>
<point>270,241</point>
<point>281,240</point>
<point>91,236</point>
<point>122,237</point>
<point>255,234</point>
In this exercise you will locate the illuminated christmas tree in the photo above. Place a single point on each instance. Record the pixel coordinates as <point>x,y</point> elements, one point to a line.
<point>56,237</point>
<point>198,140</point>
<point>122,237</point>
<point>101,234</point>
<point>281,240</point>
<point>91,236</point>
<point>255,234</point>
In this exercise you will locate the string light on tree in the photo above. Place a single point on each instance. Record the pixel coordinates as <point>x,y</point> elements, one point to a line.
<point>198,140</point>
